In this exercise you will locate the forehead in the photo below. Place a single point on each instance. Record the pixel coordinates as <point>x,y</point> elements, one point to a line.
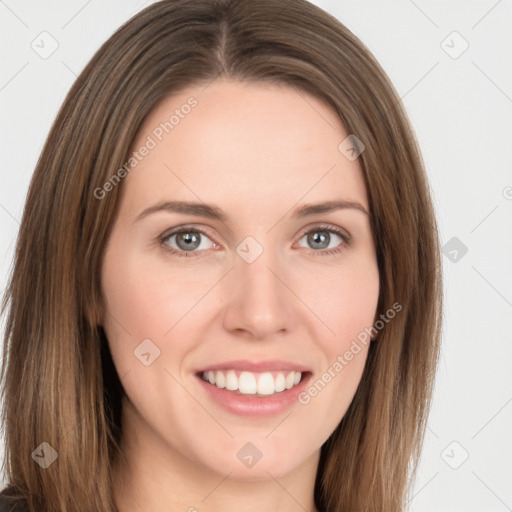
<point>245,140</point>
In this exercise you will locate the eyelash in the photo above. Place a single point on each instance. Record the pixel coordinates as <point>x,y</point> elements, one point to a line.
<point>346,240</point>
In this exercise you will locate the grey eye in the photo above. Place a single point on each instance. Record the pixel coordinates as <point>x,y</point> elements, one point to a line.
<point>320,239</point>
<point>188,240</point>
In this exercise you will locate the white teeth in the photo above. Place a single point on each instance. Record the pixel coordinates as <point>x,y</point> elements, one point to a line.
<point>231,381</point>
<point>266,384</point>
<point>248,383</point>
<point>279,382</point>
<point>220,380</point>
<point>290,379</point>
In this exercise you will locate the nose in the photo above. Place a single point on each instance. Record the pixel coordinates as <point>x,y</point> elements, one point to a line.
<point>260,305</point>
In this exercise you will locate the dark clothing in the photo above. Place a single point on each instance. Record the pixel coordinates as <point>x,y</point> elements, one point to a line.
<point>9,503</point>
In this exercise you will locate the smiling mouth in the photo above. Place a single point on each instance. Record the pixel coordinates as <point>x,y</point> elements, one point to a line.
<point>253,383</point>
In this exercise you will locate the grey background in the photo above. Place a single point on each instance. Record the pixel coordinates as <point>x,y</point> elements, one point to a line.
<point>460,103</point>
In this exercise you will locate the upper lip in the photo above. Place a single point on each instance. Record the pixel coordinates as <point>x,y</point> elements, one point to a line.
<point>256,366</point>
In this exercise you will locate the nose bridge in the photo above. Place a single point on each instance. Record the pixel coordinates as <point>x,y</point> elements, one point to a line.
<point>258,277</point>
<point>258,281</point>
<point>259,301</point>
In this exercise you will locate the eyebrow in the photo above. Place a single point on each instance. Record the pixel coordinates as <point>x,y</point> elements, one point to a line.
<point>329,206</point>
<point>214,212</point>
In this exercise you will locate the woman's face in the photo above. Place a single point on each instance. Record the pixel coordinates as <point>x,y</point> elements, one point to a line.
<point>237,275</point>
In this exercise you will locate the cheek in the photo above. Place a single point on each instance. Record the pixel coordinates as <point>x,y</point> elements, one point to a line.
<point>348,306</point>
<point>346,301</point>
<point>146,299</point>
<point>348,312</point>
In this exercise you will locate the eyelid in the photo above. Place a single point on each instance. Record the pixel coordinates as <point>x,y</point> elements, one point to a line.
<point>184,228</point>
<point>342,233</point>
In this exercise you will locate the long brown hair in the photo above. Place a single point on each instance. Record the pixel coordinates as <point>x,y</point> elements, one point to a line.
<point>59,384</point>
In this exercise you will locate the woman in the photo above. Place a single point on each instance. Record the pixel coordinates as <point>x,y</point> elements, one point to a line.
<point>227,286</point>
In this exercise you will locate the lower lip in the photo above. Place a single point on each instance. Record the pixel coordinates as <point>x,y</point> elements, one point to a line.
<point>252,405</point>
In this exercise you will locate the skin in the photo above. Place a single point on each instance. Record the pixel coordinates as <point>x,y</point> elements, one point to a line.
<point>257,151</point>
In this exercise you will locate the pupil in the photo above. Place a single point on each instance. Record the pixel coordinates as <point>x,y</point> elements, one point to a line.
<point>319,239</point>
<point>190,241</point>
